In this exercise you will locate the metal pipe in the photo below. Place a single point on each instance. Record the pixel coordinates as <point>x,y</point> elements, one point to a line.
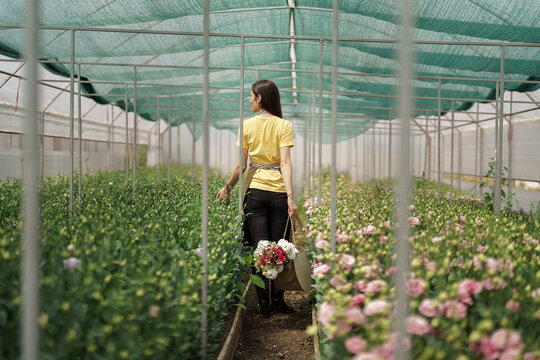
<point>476,172</point>
<point>112,136</point>
<point>126,111</point>
<point>80,133</point>
<point>30,262</point>
<point>170,136</point>
<point>71,118</point>
<point>510,142</point>
<point>373,151</point>
<point>452,157</point>
<point>426,172</point>
<point>159,143</point>
<point>319,196</point>
<point>134,155</point>
<point>402,236</point>
<point>206,150</point>
<point>501,124</point>
<point>42,152</point>
<point>241,131</point>
<point>439,85</point>
<point>390,150</point>
<point>496,199</point>
<point>193,148</point>
<point>333,192</point>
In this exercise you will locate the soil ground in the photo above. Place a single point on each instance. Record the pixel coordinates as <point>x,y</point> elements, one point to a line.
<point>282,336</point>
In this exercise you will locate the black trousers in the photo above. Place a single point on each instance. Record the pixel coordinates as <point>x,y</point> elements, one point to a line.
<point>266,215</point>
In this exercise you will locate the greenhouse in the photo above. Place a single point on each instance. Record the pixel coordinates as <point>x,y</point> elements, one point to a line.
<point>414,171</point>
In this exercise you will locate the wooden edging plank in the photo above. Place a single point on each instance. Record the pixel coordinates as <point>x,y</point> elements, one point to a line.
<point>229,347</point>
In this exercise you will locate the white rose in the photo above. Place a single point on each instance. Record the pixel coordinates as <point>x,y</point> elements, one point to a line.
<point>293,253</point>
<point>271,274</point>
<point>263,244</point>
<point>280,269</point>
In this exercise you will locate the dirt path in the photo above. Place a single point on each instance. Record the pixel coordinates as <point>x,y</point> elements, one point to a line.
<point>282,336</point>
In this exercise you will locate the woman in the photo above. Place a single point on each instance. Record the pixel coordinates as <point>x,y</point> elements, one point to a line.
<point>268,139</point>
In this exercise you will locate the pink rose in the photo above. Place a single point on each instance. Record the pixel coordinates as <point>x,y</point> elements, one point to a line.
<point>71,263</point>
<point>309,234</point>
<point>431,266</point>
<point>510,354</point>
<point>492,264</point>
<point>387,224</point>
<point>411,208</point>
<point>321,269</point>
<point>383,239</point>
<point>436,240</point>
<point>488,349</point>
<point>342,238</point>
<point>375,286</point>
<point>348,260</point>
<point>468,287</point>
<point>478,223</point>
<point>453,309</point>
<point>326,312</point>
<point>417,325</point>
<point>415,221</point>
<point>427,307</point>
<point>337,281</point>
<point>360,285</point>
<point>502,339</point>
<point>415,287</point>
<point>462,219</point>
<point>366,356</point>
<point>370,229</point>
<point>357,300</point>
<point>321,244</point>
<point>391,271</point>
<point>481,249</point>
<point>355,315</point>
<point>375,307</point>
<point>343,327</point>
<point>319,237</point>
<point>512,305</point>
<point>355,344</point>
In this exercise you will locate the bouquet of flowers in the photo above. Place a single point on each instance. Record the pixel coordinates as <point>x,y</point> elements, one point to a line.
<point>270,257</point>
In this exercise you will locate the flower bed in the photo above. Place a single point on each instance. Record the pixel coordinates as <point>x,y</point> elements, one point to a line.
<point>474,284</point>
<point>121,278</point>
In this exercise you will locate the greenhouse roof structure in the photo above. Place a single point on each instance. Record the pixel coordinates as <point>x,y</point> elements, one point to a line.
<point>148,55</point>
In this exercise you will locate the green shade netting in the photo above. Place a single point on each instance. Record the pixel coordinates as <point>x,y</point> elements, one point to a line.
<point>170,82</point>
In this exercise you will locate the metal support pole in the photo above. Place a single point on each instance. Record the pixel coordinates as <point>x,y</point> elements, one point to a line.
<point>241,130</point>
<point>496,199</point>
<point>402,235</point>
<point>356,159</point>
<point>170,136</point>
<point>319,196</point>
<point>159,143</point>
<point>71,118</point>
<point>178,134</point>
<point>365,157</point>
<point>112,137</point>
<point>380,157</point>
<point>439,170</point>
<point>42,152</point>
<point>500,120</point>
<point>80,132</point>
<point>510,142</point>
<point>452,156</point>
<point>476,150</point>
<point>126,110</point>
<point>193,148</point>
<point>413,153</point>
<point>333,210</point>
<point>206,150</point>
<point>373,151</point>
<point>30,268</point>
<point>426,172</point>
<point>134,155</point>
<point>390,150</point>
<point>312,168</point>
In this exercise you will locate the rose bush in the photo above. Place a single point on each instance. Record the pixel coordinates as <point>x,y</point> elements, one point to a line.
<point>473,281</point>
<point>121,277</point>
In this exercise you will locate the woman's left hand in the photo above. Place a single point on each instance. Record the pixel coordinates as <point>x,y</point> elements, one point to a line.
<point>292,206</point>
<point>224,194</point>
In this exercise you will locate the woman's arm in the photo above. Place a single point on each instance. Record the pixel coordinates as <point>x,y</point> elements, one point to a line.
<point>225,193</point>
<point>286,172</point>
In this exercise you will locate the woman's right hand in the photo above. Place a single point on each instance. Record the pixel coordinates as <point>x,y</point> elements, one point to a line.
<point>224,194</point>
<point>292,206</point>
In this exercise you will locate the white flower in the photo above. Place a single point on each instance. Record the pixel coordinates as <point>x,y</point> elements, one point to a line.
<point>271,274</point>
<point>289,248</point>
<point>263,244</point>
<point>280,269</point>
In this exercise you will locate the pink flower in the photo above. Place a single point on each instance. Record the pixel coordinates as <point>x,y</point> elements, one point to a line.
<point>387,224</point>
<point>366,356</point>
<point>478,223</point>
<point>415,221</point>
<point>436,240</point>
<point>348,261</point>
<point>417,325</point>
<point>370,229</point>
<point>337,281</point>
<point>492,264</point>
<point>510,354</point>
<point>321,269</point>
<point>512,305</point>
<point>375,307</point>
<point>343,327</point>
<point>309,234</point>
<point>468,287</point>
<point>462,219</point>
<point>427,307</point>
<point>319,237</point>
<point>391,271</point>
<point>411,208</point>
<point>355,344</point>
<point>536,293</point>
<point>502,339</point>
<point>481,249</point>
<point>360,285</point>
<point>375,286</point>
<point>415,287</point>
<point>431,266</point>
<point>321,244</point>
<point>355,315</point>
<point>326,312</point>
<point>342,238</point>
<point>453,309</point>
<point>357,300</point>
<point>71,263</point>
<point>488,349</point>
<point>383,239</point>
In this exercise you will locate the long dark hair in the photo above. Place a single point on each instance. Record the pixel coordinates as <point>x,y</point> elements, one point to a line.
<point>269,96</point>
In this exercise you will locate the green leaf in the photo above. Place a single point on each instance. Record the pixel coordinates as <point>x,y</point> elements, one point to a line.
<point>248,259</point>
<point>241,286</point>
<point>240,259</point>
<point>241,305</point>
<point>256,279</point>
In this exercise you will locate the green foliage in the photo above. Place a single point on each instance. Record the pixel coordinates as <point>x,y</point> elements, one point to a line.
<point>488,187</point>
<point>136,291</point>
